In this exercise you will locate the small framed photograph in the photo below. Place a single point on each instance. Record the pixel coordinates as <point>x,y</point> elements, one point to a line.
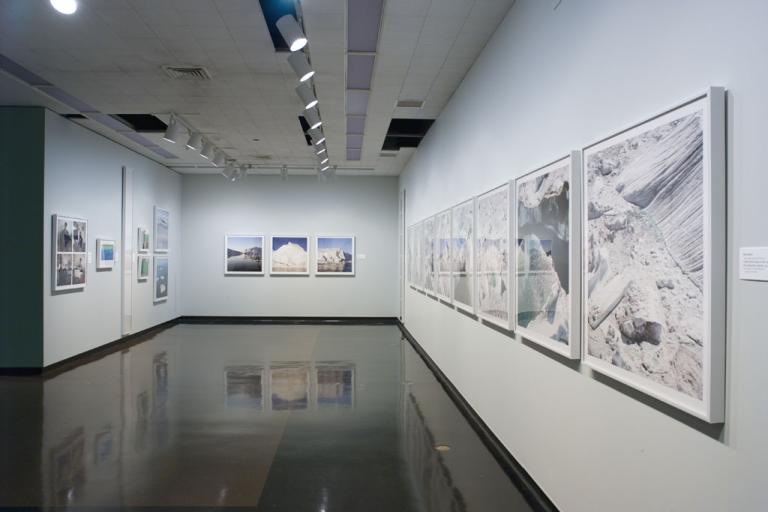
<point>335,255</point>
<point>105,254</point>
<point>142,268</point>
<point>142,241</point>
<point>69,256</point>
<point>160,293</point>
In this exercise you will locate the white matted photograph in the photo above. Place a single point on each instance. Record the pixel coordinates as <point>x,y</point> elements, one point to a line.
<point>493,259</point>
<point>162,220</point>
<point>142,268</point>
<point>244,254</point>
<point>289,255</point>
<point>654,252</point>
<point>427,247</point>
<point>105,254</point>
<point>69,258</point>
<point>547,256</point>
<point>462,255</point>
<point>334,255</point>
<point>442,256</point>
<point>142,240</point>
<point>160,290</point>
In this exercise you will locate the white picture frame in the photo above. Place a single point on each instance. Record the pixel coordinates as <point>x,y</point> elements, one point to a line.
<point>142,267</point>
<point>326,267</point>
<point>160,278</point>
<point>161,235</point>
<point>500,227</point>
<point>238,243</point>
<point>442,255</point>
<point>710,405</point>
<point>463,256</point>
<point>143,240</point>
<point>69,253</point>
<point>428,255</point>
<point>283,262</point>
<point>106,251</point>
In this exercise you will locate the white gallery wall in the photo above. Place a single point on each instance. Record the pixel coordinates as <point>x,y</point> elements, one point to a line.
<point>83,178</point>
<point>549,81</point>
<point>302,205</point>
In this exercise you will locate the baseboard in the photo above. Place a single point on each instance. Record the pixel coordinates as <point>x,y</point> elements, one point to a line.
<point>533,494</point>
<point>289,320</point>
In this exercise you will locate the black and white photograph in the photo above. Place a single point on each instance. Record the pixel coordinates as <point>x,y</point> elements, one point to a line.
<point>543,280</point>
<point>289,255</point>
<point>244,254</point>
<point>443,255</point>
<point>161,279</point>
<point>462,255</point>
<point>162,220</point>
<point>289,386</point>
<point>244,387</point>
<point>647,278</point>
<point>493,293</point>
<point>69,258</point>
<point>335,255</point>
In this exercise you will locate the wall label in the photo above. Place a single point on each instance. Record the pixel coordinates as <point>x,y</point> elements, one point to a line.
<point>361,256</point>
<point>753,263</point>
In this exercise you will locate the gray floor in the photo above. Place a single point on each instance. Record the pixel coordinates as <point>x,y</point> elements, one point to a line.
<point>288,418</point>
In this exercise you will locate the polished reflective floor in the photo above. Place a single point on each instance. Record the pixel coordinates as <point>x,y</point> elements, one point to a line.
<point>294,418</point>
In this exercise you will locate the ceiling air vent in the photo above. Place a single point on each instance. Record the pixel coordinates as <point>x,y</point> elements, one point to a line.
<point>187,72</point>
<point>410,103</point>
<point>388,155</point>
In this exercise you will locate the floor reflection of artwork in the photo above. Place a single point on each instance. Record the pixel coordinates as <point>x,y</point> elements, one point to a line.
<point>462,255</point>
<point>243,387</point>
<point>68,468</point>
<point>102,446</point>
<point>493,256</point>
<point>432,478</point>
<point>443,254</point>
<point>335,386</point>
<point>160,379</point>
<point>142,421</point>
<point>290,387</point>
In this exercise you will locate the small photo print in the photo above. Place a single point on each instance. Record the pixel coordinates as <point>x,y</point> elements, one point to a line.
<point>143,240</point>
<point>105,254</point>
<point>79,265</point>
<point>64,235</point>
<point>79,235</point>
<point>63,270</point>
<point>142,268</point>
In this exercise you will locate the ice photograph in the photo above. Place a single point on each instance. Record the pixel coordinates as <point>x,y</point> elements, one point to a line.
<point>543,253</point>
<point>142,268</point>
<point>335,255</point>
<point>161,229</point>
<point>161,278</point>
<point>462,262</point>
<point>493,256</point>
<point>428,255</point>
<point>443,254</point>
<point>290,255</point>
<point>244,254</point>
<point>645,251</point>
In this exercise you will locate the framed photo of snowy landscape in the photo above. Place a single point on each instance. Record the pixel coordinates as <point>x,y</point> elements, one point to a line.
<point>654,233</point>
<point>547,256</point>
<point>493,227</point>
<point>411,255</point>
<point>427,246</point>
<point>442,248</point>
<point>289,255</point>
<point>244,254</point>
<point>335,255</point>
<point>462,255</point>
<point>162,218</point>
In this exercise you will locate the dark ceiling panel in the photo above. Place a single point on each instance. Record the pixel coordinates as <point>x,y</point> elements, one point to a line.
<point>406,133</point>
<point>146,123</point>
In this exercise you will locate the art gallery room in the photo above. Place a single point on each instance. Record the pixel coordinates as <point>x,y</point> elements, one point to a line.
<point>384,255</point>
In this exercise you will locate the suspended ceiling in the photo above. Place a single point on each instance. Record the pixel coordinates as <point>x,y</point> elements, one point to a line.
<point>110,54</point>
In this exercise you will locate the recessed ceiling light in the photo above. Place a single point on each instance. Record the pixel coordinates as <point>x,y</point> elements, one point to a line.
<point>65,6</point>
<point>300,65</point>
<point>291,31</point>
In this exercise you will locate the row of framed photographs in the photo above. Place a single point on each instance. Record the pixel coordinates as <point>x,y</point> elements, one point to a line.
<point>614,255</point>
<point>334,255</point>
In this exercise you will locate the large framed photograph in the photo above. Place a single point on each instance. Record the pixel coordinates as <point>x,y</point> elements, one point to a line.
<point>494,295</point>
<point>654,248</point>
<point>335,255</point>
<point>289,255</point>
<point>244,254</point>
<point>142,240</point>
<point>410,254</point>
<point>69,256</point>
<point>160,291</point>
<point>442,248</point>
<point>462,255</point>
<point>162,218</point>
<point>105,254</point>
<point>142,268</point>
<point>418,230</point>
<point>427,245</point>
<point>547,256</point>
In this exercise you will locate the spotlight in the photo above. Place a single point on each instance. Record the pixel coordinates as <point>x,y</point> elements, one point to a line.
<point>321,151</point>
<point>284,172</point>
<point>313,118</point>
<point>173,131</point>
<point>307,95</point>
<point>207,151</point>
<point>324,161</point>
<point>65,6</point>
<point>219,158</point>
<point>300,65</point>
<point>325,167</point>
<point>229,171</point>
<point>243,172</point>
<point>195,141</point>
<point>317,136</point>
<point>291,31</point>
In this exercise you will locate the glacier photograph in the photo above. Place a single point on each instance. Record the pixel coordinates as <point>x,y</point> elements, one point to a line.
<point>289,255</point>
<point>427,245</point>
<point>462,262</point>
<point>244,254</point>
<point>645,251</point>
<point>493,255</point>
<point>443,254</point>
<point>335,255</point>
<point>543,253</point>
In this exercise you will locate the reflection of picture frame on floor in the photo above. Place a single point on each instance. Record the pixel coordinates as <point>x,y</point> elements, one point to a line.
<point>289,387</point>
<point>161,279</point>
<point>244,387</point>
<point>69,255</point>
<point>244,254</point>
<point>142,268</point>
<point>334,385</point>
<point>654,256</point>
<point>105,254</point>
<point>547,256</point>
<point>162,220</point>
<point>142,240</point>
<point>493,226</point>
<point>335,255</point>
<point>289,255</point>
